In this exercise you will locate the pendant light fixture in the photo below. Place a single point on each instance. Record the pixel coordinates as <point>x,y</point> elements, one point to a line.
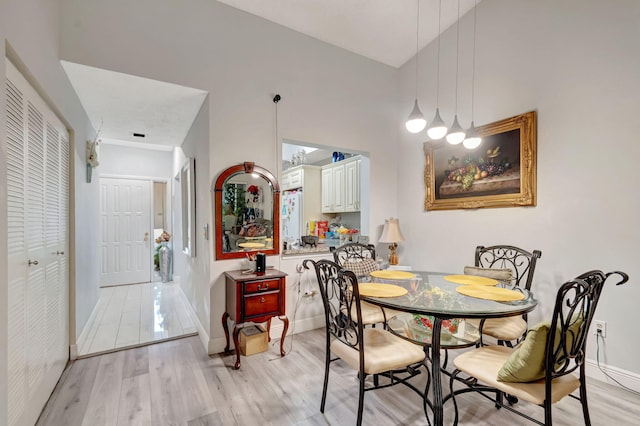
<point>456,132</point>
<point>473,139</point>
<point>438,129</point>
<point>416,122</point>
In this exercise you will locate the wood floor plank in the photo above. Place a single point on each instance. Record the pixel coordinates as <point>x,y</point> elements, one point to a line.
<point>167,405</point>
<point>136,362</point>
<point>177,383</point>
<point>135,402</point>
<point>70,398</point>
<point>104,399</point>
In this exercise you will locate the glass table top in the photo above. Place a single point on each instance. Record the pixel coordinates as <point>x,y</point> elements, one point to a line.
<point>429,293</point>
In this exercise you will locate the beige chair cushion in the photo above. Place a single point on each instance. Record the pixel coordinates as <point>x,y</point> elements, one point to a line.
<point>484,363</point>
<point>509,328</point>
<point>503,275</point>
<point>382,352</point>
<point>372,314</point>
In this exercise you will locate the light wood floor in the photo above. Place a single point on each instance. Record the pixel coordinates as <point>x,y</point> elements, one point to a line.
<point>177,383</point>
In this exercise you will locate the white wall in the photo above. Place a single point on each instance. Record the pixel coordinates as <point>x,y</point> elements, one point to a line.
<point>127,161</point>
<point>194,272</point>
<point>30,30</point>
<point>329,96</point>
<point>576,63</point>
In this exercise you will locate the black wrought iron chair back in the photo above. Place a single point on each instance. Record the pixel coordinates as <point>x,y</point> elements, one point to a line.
<point>521,262</point>
<point>347,338</point>
<point>339,296</point>
<point>575,306</point>
<point>353,252</point>
<point>361,259</point>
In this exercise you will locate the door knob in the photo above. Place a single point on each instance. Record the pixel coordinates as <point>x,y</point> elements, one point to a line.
<point>33,262</point>
<point>146,236</point>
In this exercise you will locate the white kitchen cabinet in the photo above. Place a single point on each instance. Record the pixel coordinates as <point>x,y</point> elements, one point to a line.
<point>295,177</point>
<point>341,186</point>
<point>352,186</point>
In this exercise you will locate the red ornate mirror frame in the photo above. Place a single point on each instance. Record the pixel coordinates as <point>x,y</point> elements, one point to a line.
<point>247,168</point>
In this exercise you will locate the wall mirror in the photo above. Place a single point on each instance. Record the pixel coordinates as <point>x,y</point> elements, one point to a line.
<point>188,200</point>
<point>247,214</point>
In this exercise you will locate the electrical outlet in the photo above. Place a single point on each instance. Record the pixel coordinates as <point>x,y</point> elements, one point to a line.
<point>600,327</point>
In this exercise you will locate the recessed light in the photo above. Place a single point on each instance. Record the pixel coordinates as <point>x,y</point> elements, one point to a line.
<point>139,135</point>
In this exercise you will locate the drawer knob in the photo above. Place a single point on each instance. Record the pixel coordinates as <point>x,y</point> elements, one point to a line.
<point>262,300</point>
<point>261,287</point>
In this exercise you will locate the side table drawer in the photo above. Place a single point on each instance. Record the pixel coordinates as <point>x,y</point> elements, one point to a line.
<point>261,286</point>
<point>261,304</point>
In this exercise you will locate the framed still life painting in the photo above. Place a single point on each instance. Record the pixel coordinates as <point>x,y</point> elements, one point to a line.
<point>501,172</point>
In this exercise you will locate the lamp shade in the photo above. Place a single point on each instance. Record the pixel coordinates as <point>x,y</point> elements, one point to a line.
<point>472,139</point>
<point>456,132</point>
<point>438,129</point>
<point>416,122</point>
<point>391,232</point>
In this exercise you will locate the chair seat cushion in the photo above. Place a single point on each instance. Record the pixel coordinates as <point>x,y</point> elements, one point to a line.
<point>485,362</point>
<point>382,352</point>
<point>509,328</point>
<point>372,314</point>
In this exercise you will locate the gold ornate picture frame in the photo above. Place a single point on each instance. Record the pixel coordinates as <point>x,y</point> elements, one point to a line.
<point>501,172</point>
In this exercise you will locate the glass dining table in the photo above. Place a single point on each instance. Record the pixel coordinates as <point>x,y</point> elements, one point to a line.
<point>431,311</point>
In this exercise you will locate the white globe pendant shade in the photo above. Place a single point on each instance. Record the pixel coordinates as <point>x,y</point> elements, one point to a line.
<point>456,132</point>
<point>416,122</point>
<point>438,129</point>
<point>473,139</point>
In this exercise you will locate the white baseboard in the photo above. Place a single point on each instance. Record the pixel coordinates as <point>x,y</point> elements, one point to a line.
<point>296,327</point>
<point>73,352</point>
<point>627,378</point>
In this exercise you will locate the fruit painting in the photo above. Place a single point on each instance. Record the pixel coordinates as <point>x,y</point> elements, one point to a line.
<point>501,172</point>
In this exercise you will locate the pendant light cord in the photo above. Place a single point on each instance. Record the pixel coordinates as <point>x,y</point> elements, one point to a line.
<point>276,99</point>
<point>417,44</point>
<point>457,54</point>
<point>438,61</point>
<point>473,67</point>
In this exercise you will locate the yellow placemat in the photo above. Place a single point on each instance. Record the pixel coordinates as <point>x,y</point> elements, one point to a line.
<point>490,293</point>
<point>251,245</point>
<point>471,279</point>
<point>381,290</point>
<point>392,275</point>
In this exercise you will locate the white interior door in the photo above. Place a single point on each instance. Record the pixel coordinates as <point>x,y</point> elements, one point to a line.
<point>126,235</point>
<point>37,242</point>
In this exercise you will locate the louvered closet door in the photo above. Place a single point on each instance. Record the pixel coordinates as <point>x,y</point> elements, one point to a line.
<point>37,239</point>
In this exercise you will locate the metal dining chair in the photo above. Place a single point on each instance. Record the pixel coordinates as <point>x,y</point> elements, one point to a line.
<point>369,351</point>
<point>522,264</point>
<point>549,364</point>
<point>361,260</point>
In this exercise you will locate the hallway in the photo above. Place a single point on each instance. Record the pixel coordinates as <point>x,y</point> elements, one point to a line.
<point>133,315</point>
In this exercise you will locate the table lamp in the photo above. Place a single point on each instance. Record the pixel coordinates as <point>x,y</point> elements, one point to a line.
<point>391,234</point>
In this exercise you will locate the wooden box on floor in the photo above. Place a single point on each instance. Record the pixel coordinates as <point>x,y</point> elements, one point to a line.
<point>253,340</point>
